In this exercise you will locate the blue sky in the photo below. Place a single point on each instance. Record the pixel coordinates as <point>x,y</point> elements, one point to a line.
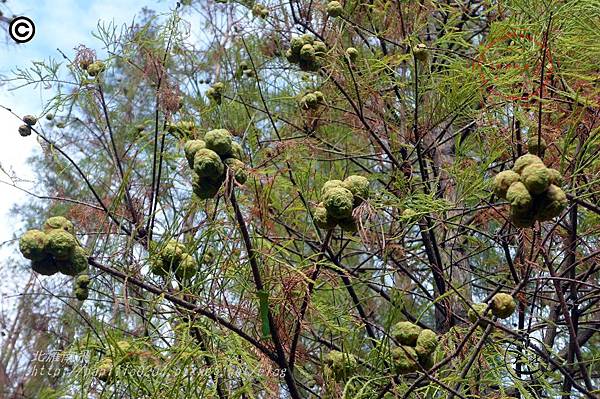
<point>62,24</point>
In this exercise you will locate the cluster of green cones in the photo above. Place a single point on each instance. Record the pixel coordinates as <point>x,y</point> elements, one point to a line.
<point>211,158</point>
<point>260,11</point>
<point>25,130</point>
<point>334,9</point>
<point>502,306</point>
<point>352,53</point>
<point>81,288</point>
<point>420,52</point>
<point>339,199</point>
<point>245,69</point>
<point>215,92</point>
<point>536,145</point>
<point>118,353</point>
<point>339,365</point>
<point>415,351</point>
<point>54,249</point>
<point>312,100</point>
<point>416,347</point>
<point>93,68</point>
<point>174,258</point>
<point>533,191</point>
<point>306,52</point>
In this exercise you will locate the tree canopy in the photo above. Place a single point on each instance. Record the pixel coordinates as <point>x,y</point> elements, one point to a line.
<point>382,199</point>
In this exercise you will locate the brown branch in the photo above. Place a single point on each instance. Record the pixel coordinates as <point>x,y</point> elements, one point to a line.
<point>195,309</point>
<point>274,330</point>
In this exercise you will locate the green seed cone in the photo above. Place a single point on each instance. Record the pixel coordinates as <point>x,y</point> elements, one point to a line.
<point>358,186</point>
<point>330,184</point>
<point>76,264</point>
<point>307,53</point>
<point>59,222</point>
<point>187,267</point>
<point>551,203</point>
<point>81,293</point>
<point>339,202</point>
<point>190,148</point>
<point>341,364</point>
<point>352,53</point>
<point>536,178</point>
<point>555,177</point>
<point>420,52</point>
<point>405,359</point>
<point>237,151</point>
<point>205,188</point>
<point>406,333</point>
<point>33,245</point>
<point>105,370</point>
<point>322,219</point>
<point>503,181</point>
<point>519,197</point>
<point>46,266</point>
<point>334,9</point>
<point>61,244</point>
<point>524,161</point>
<point>536,146</point>
<point>83,281</point>
<point>238,168</point>
<point>476,311</point>
<point>427,341</point>
<point>219,140</point>
<point>207,163</point>
<point>503,305</point>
